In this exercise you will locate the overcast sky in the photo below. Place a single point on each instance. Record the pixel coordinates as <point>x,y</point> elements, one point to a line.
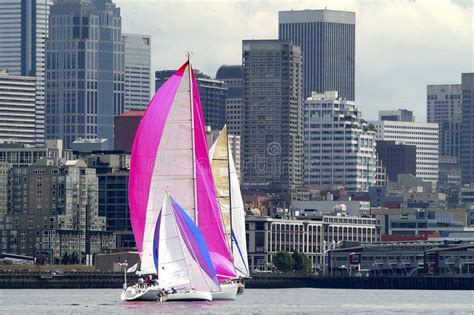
<point>401,45</point>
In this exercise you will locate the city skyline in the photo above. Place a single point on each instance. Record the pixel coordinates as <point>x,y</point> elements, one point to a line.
<point>382,61</point>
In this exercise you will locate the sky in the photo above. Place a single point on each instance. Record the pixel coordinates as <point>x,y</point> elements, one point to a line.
<point>401,45</point>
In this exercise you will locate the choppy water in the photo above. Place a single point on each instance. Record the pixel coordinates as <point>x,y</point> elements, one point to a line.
<point>256,301</point>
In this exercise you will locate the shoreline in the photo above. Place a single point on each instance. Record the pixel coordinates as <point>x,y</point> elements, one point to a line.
<point>109,280</point>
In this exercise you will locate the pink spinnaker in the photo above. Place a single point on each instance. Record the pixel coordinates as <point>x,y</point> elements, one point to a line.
<point>209,217</point>
<point>144,150</point>
<point>142,167</point>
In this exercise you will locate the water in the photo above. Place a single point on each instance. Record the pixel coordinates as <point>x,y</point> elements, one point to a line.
<point>254,301</point>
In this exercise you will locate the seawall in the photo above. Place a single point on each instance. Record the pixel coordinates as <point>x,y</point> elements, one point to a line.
<point>69,280</point>
<point>83,280</point>
<point>388,283</point>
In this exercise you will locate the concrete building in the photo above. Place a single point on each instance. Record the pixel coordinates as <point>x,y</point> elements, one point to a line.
<point>267,236</point>
<point>82,146</point>
<point>417,222</point>
<point>396,115</point>
<point>449,174</point>
<point>403,259</point>
<point>272,130</point>
<point>466,196</point>
<point>125,128</point>
<point>410,183</point>
<point>112,170</point>
<point>467,127</point>
<point>233,77</point>
<point>327,41</point>
<point>53,212</point>
<point>212,93</point>
<point>323,207</point>
<point>17,108</point>
<point>443,102</point>
<point>444,106</point>
<point>85,70</point>
<point>4,178</point>
<point>397,158</point>
<point>137,71</point>
<point>423,135</point>
<point>19,155</point>
<point>423,200</point>
<point>339,148</point>
<point>22,47</point>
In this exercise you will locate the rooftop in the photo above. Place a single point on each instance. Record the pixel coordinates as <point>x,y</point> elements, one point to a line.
<point>229,72</point>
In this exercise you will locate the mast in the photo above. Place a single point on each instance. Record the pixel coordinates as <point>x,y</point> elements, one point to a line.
<point>191,103</point>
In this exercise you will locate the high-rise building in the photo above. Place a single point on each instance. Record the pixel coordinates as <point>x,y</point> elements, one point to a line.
<point>137,71</point>
<point>327,41</point>
<point>212,92</point>
<point>423,135</point>
<point>467,127</point>
<point>339,148</point>
<point>85,70</point>
<point>444,107</point>
<point>233,77</point>
<point>443,102</point>
<point>397,158</point>
<point>17,108</point>
<point>272,129</point>
<point>23,32</point>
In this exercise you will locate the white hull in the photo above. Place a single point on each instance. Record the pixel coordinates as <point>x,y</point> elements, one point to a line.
<point>187,296</point>
<point>228,292</point>
<point>137,294</point>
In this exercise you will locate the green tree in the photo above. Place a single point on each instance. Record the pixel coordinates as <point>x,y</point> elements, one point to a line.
<point>283,261</point>
<point>301,262</point>
<point>74,258</point>
<point>65,259</point>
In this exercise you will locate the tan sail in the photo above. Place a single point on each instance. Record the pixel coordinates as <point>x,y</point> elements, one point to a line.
<point>219,156</point>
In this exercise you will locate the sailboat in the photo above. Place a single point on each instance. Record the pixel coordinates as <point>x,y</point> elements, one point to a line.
<point>181,260</point>
<point>231,206</point>
<point>170,154</point>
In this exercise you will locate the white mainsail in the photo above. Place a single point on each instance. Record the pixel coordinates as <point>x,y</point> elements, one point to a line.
<point>239,239</point>
<point>230,201</point>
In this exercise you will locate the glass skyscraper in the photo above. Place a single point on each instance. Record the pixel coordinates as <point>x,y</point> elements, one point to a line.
<point>327,41</point>
<point>137,71</point>
<point>23,32</point>
<point>85,70</point>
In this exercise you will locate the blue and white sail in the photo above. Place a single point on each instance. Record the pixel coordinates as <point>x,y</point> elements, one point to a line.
<point>180,258</point>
